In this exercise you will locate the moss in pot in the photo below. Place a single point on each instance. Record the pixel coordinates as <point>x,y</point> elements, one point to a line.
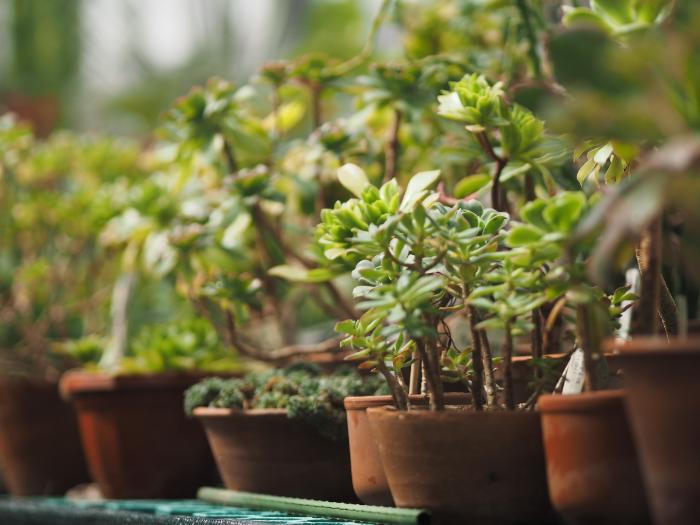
<point>281,431</point>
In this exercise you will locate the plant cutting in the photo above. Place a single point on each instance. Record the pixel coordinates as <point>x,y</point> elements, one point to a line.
<point>271,430</point>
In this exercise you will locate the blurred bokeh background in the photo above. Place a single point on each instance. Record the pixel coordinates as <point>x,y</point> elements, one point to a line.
<point>114,66</point>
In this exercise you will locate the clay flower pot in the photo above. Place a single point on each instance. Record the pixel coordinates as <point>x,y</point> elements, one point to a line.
<point>465,466</point>
<point>368,478</point>
<point>137,440</point>
<point>663,402</point>
<point>592,469</point>
<point>262,450</point>
<point>40,450</point>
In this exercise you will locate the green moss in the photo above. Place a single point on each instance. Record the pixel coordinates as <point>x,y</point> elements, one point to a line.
<point>301,390</point>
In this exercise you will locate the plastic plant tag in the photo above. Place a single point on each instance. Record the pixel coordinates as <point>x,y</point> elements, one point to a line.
<point>573,375</point>
<point>633,281</point>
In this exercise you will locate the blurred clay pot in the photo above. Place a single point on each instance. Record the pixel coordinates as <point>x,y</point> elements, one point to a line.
<point>663,402</point>
<point>40,449</point>
<point>592,468</point>
<point>466,467</point>
<point>263,450</point>
<point>137,440</point>
<point>368,478</point>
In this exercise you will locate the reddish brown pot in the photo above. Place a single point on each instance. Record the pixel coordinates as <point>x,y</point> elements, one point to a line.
<point>137,440</point>
<point>592,469</point>
<point>663,403</point>
<point>467,467</point>
<point>368,478</point>
<point>264,451</point>
<point>40,448</point>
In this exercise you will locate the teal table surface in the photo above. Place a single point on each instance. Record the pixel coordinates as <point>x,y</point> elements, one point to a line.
<point>58,511</point>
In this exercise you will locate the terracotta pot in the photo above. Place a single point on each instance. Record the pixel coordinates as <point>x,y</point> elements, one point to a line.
<point>40,448</point>
<point>368,478</point>
<point>466,467</point>
<point>137,440</point>
<point>663,402</point>
<point>262,450</point>
<point>592,469</point>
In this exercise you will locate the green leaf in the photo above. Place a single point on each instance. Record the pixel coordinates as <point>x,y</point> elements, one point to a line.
<point>585,170</point>
<point>416,187</point>
<point>353,178</point>
<point>585,17</point>
<point>523,235</point>
<point>471,184</point>
<point>290,273</point>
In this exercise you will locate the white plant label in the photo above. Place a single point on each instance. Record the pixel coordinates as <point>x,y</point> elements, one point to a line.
<point>574,374</point>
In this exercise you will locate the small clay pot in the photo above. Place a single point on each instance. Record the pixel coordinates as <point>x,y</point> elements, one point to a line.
<point>592,469</point>
<point>137,440</point>
<point>40,449</point>
<point>263,450</point>
<point>663,403</point>
<point>466,467</point>
<point>368,478</point>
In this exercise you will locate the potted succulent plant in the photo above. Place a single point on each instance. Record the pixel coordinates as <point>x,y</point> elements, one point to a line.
<point>53,204</point>
<point>137,442</point>
<point>283,431</point>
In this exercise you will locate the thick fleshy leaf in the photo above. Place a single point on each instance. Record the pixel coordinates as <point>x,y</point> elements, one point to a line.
<point>416,186</point>
<point>353,178</point>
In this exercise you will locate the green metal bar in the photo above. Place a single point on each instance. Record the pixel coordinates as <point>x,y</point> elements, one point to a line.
<point>310,507</point>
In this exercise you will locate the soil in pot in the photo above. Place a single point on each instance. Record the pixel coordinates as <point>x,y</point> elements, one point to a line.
<point>138,442</point>
<point>262,450</point>
<point>466,467</point>
<point>663,403</point>
<point>592,468</point>
<point>368,478</point>
<point>40,449</point>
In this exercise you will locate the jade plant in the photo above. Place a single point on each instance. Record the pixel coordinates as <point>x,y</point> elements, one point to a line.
<point>301,390</point>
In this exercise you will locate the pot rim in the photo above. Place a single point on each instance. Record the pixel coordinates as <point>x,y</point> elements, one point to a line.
<point>364,402</point>
<point>212,412</point>
<point>77,382</point>
<point>583,402</point>
<point>456,414</point>
<point>653,346</point>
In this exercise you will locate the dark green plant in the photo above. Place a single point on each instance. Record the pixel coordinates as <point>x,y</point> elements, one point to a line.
<point>304,393</point>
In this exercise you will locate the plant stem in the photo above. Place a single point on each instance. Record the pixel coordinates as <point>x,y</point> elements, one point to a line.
<point>501,162</point>
<point>550,343</point>
<point>397,392</point>
<point>477,361</point>
<point>432,367</point>
<point>668,310</point>
<point>585,337</point>
<point>121,295</point>
<point>489,377</point>
<point>536,342</point>
<point>315,91</point>
<point>230,157</point>
<point>414,378</point>
<point>649,260</point>
<point>392,147</point>
<point>508,367</point>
